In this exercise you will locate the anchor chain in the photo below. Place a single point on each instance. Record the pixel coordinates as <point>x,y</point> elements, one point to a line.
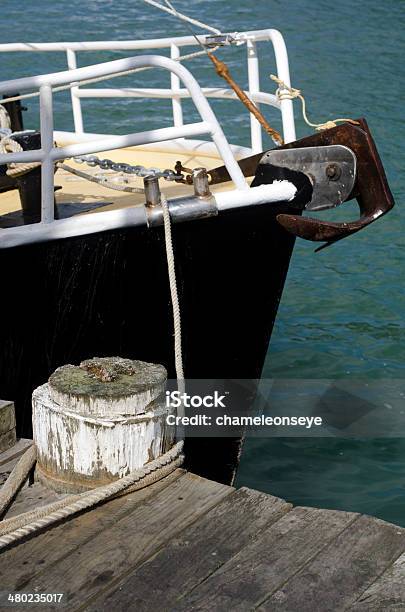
<point>140,171</point>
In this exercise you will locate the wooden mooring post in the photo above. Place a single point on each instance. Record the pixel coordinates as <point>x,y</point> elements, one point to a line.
<point>99,421</point>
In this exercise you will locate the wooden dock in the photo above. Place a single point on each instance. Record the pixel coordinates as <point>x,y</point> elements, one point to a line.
<point>186,543</point>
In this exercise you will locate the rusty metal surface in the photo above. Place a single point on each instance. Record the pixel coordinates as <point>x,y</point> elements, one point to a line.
<point>371,188</point>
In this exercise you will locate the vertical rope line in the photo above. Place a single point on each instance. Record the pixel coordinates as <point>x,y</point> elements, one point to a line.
<point>173,290</point>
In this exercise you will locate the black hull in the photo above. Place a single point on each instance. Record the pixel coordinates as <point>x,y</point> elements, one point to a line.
<point>108,294</point>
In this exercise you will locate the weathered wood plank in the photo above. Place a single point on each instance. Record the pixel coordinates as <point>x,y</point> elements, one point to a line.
<point>7,416</point>
<point>7,426</point>
<point>343,570</point>
<point>387,593</point>
<point>120,547</point>
<point>196,552</point>
<point>263,566</point>
<point>12,454</point>
<point>7,440</point>
<point>30,497</point>
<point>22,563</point>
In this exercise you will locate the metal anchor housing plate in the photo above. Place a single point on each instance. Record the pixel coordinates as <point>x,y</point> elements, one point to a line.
<point>331,170</point>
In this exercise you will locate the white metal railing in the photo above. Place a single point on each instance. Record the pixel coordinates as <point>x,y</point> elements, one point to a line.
<point>183,84</point>
<point>49,154</point>
<point>175,92</point>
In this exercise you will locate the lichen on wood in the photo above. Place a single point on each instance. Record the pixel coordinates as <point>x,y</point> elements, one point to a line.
<point>108,385</point>
<point>98,421</point>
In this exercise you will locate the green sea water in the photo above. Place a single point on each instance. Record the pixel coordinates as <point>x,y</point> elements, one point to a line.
<point>342,312</point>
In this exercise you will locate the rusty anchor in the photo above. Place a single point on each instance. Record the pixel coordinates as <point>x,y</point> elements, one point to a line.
<point>369,184</point>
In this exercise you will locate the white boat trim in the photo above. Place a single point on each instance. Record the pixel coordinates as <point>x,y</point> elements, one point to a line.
<point>163,139</point>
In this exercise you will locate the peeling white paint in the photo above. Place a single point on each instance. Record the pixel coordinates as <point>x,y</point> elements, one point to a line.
<point>72,445</point>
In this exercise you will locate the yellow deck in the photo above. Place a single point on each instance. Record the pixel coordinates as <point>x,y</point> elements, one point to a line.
<point>81,191</point>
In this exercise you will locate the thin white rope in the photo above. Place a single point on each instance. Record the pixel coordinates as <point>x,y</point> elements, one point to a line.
<point>285,92</point>
<point>172,11</point>
<point>169,255</point>
<point>173,290</point>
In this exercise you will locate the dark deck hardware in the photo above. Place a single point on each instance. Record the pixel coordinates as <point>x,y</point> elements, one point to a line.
<point>28,184</point>
<point>371,187</point>
<point>15,111</point>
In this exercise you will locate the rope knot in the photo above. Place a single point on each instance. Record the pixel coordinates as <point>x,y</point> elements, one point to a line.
<point>326,126</point>
<point>284,91</point>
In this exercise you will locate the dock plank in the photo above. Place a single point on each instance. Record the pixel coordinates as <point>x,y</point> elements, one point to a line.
<point>343,570</point>
<point>29,496</point>
<point>22,563</point>
<point>387,593</point>
<point>11,455</point>
<point>119,548</point>
<point>186,543</point>
<point>262,567</point>
<point>198,551</point>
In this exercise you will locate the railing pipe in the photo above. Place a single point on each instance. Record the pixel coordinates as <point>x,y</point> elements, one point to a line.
<point>134,216</point>
<point>254,88</point>
<point>76,103</point>
<point>283,72</point>
<point>47,170</point>
<point>175,86</point>
<point>131,140</point>
<point>250,37</point>
<point>109,68</point>
<point>161,93</point>
<point>98,145</point>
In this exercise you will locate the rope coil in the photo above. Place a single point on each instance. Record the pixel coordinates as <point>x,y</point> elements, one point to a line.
<point>9,145</point>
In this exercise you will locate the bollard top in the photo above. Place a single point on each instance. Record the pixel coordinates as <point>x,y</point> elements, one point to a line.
<point>108,386</point>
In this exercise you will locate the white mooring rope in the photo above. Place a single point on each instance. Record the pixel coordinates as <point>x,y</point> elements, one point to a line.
<point>15,528</point>
<point>9,145</point>
<point>173,290</point>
